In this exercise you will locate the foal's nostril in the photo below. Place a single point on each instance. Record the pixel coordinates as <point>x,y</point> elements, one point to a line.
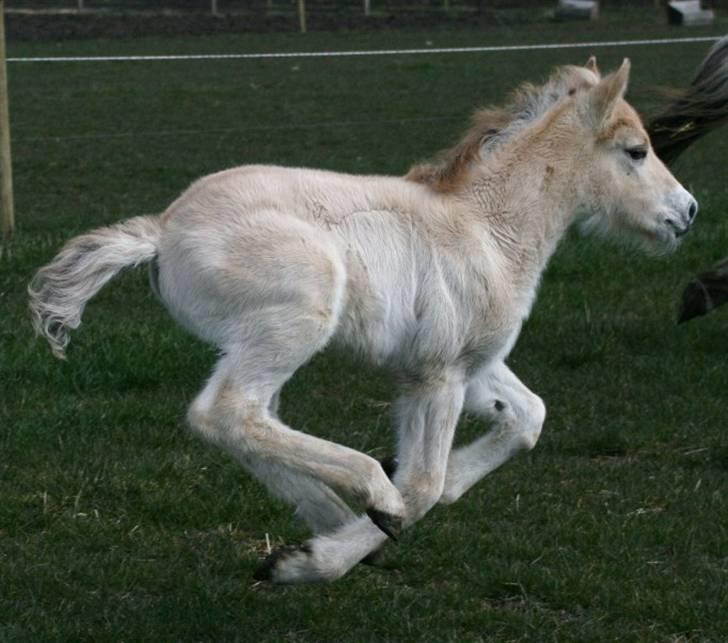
<point>692,210</point>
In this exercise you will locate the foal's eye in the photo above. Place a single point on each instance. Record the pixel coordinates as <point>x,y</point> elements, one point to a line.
<point>636,153</point>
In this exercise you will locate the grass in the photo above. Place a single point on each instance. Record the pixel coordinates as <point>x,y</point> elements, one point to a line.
<point>116,525</point>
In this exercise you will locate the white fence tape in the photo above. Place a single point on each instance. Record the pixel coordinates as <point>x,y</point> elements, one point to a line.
<point>377,52</point>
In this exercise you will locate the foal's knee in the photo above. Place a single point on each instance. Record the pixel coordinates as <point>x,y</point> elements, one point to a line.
<point>532,415</point>
<point>522,418</point>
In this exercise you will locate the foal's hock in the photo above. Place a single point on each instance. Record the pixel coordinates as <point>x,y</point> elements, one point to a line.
<point>430,275</point>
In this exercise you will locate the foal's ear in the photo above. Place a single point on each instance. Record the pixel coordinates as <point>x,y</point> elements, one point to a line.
<point>602,100</point>
<point>591,65</point>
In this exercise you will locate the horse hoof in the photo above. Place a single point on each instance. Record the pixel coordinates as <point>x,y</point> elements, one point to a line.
<point>265,570</point>
<point>695,302</point>
<point>389,464</point>
<point>388,523</point>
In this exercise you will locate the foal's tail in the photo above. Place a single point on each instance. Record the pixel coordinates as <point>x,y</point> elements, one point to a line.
<point>60,290</point>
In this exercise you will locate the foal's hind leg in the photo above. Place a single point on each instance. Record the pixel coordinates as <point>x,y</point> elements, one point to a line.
<point>268,290</point>
<point>232,412</point>
<point>316,504</point>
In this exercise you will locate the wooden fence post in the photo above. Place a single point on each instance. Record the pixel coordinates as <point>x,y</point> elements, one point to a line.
<point>6,173</point>
<point>302,15</point>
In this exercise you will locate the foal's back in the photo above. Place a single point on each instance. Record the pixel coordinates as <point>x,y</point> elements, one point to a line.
<point>323,198</point>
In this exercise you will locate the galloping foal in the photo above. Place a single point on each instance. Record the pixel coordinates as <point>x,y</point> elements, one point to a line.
<point>431,276</point>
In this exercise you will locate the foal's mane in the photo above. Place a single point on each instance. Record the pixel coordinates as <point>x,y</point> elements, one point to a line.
<point>493,126</point>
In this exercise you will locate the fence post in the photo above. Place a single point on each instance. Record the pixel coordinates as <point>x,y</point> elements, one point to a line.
<point>302,15</point>
<point>6,174</point>
<point>367,7</point>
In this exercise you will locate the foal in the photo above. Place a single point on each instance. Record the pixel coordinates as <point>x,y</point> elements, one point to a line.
<point>430,276</point>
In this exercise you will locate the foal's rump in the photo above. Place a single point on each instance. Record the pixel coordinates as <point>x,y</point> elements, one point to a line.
<point>262,279</point>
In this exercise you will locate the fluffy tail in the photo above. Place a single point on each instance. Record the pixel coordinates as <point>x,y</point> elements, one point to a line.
<point>701,108</point>
<point>60,290</point>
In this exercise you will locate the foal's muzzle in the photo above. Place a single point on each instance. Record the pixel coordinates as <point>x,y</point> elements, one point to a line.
<point>684,209</point>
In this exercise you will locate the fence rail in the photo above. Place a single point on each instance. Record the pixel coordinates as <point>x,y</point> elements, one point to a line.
<point>376,52</point>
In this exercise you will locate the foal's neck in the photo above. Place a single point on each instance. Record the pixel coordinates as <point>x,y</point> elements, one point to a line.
<point>525,197</point>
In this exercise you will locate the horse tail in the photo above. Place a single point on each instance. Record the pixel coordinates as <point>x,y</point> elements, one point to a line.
<point>694,112</point>
<point>59,291</point>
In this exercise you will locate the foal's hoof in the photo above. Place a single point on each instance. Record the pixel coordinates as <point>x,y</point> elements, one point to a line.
<point>265,570</point>
<point>388,523</point>
<point>389,464</point>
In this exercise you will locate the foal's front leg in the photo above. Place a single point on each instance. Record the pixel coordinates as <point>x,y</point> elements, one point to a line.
<point>516,416</point>
<point>427,415</point>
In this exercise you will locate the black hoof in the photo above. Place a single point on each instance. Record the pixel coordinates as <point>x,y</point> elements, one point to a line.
<point>389,464</point>
<point>388,523</point>
<point>264,571</point>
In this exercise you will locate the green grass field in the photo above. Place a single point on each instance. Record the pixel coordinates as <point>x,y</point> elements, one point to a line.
<point>116,525</point>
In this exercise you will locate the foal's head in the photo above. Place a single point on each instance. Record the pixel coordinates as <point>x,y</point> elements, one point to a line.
<point>623,186</point>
